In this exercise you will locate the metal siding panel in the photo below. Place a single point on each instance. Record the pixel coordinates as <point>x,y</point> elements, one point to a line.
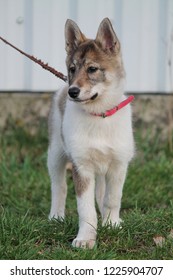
<point>118,12</point>
<point>149,46</point>
<point>169,47</point>
<point>130,42</point>
<point>12,28</point>
<point>28,43</point>
<point>144,28</point>
<point>162,57</point>
<point>73,9</point>
<point>48,41</point>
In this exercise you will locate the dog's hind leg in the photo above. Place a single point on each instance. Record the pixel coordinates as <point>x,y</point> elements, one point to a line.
<point>57,170</point>
<point>100,191</point>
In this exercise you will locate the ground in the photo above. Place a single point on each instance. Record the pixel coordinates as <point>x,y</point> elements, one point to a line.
<point>147,204</point>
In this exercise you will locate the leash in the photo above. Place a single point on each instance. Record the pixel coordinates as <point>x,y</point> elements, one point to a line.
<point>38,61</point>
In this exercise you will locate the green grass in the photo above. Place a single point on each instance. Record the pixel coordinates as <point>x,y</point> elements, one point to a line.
<point>26,233</point>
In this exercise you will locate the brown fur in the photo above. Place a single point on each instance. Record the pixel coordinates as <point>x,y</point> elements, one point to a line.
<point>81,184</point>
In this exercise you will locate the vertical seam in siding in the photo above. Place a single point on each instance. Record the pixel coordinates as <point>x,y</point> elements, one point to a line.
<point>28,38</point>
<point>162,45</point>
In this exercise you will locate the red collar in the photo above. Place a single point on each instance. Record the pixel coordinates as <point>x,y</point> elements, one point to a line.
<point>111,112</point>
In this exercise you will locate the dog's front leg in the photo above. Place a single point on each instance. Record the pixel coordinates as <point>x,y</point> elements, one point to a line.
<point>112,201</point>
<point>85,189</point>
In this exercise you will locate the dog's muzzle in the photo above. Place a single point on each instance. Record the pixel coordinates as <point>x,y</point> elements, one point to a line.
<point>74,95</point>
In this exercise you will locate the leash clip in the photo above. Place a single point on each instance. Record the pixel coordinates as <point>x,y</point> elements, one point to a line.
<point>103,115</point>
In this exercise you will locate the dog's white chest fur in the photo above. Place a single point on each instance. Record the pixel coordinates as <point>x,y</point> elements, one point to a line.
<point>93,142</point>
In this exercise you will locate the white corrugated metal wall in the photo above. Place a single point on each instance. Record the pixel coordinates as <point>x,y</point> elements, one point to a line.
<point>145,29</point>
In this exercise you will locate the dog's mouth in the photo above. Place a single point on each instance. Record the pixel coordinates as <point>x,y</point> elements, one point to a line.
<point>84,100</point>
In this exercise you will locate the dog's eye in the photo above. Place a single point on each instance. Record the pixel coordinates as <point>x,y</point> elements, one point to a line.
<point>72,69</point>
<point>92,69</point>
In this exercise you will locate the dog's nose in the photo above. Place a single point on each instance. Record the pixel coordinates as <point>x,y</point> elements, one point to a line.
<point>74,92</point>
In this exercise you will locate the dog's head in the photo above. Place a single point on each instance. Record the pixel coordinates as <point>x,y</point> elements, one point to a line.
<point>94,66</point>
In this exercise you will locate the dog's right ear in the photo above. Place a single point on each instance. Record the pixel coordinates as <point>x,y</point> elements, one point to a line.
<point>73,36</point>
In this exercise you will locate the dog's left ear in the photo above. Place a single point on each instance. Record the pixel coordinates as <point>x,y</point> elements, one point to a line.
<point>106,37</point>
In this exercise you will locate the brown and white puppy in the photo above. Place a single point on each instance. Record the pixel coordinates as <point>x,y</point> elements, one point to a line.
<point>99,148</point>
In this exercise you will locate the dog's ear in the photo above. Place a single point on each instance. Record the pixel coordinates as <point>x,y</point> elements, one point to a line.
<point>106,37</point>
<point>73,36</point>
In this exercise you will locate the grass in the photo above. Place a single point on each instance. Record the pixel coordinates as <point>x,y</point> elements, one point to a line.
<point>26,233</point>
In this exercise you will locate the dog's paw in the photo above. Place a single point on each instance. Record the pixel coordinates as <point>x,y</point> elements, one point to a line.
<point>56,216</point>
<point>84,244</point>
<point>117,223</point>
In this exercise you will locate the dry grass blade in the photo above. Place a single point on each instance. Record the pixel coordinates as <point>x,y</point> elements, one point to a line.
<point>159,240</point>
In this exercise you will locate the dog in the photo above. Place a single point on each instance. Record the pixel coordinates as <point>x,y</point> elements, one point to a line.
<point>90,125</point>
